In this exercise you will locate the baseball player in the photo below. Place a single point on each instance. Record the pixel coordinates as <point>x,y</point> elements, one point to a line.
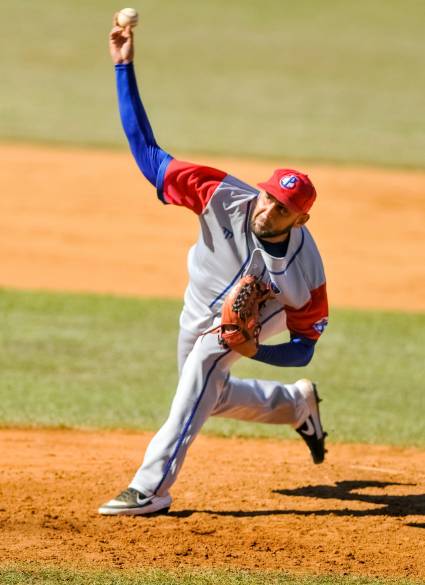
<point>243,231</point>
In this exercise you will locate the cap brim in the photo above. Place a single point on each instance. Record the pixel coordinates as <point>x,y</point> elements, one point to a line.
<point>280,196</point>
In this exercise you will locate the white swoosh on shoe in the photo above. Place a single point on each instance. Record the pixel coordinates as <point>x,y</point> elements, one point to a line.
<point>310,431</point>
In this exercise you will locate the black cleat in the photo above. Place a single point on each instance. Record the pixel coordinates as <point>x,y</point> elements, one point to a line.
<point>311,429</point>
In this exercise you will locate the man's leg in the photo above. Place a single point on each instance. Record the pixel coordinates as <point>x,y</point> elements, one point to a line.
<point>262,401</point>
<point>199,388</point>
<point>273,402</point>
<point>201,383</point>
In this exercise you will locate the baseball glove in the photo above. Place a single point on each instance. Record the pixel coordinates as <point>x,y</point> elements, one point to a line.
<point>240,317</point>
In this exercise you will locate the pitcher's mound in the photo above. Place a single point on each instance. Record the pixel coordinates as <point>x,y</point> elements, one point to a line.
<point>251,504</point>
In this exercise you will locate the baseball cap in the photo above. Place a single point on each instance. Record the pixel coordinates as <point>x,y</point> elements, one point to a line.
<point>292,188</point>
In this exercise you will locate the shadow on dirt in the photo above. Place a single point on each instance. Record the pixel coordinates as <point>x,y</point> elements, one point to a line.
<point>348,491</point>
<point>395,506</point>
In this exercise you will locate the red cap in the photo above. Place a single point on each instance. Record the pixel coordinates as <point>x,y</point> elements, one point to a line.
<point>292,188</point>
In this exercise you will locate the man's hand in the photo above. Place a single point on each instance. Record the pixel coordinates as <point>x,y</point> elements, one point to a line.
<point>121,44</point>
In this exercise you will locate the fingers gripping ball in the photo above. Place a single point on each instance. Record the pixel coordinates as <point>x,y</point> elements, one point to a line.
<point>127,17</point>
<point>240,318</point>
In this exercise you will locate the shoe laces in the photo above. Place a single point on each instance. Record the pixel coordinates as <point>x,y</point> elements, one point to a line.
<point>128,494</point>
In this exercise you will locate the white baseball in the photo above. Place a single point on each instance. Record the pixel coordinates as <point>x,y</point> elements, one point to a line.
<point>127,16</point>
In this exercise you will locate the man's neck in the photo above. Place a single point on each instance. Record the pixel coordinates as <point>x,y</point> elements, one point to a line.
<point>277,249</point>
<point>276,239</point>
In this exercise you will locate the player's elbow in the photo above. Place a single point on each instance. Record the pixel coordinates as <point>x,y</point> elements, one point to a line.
<point>305,362</point>
<point>306,357</point>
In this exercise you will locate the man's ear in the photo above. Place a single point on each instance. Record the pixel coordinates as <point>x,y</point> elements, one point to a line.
<point>301,220</point>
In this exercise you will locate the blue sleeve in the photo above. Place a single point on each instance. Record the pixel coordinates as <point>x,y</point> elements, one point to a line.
<point>298,352</point>
<point>150,158</point>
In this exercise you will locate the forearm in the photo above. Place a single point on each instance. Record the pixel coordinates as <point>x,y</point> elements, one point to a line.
<point>150,158</point>
<point>296,353</point>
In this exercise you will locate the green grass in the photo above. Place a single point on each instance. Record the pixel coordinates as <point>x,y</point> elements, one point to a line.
<point>330,80</point>
<point>108,362</point>
<point>48,576</point>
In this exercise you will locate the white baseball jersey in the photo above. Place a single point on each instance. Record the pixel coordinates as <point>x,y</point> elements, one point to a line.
<point>227,249</point>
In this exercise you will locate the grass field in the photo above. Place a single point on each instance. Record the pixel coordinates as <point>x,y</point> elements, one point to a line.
<point>99,361</point>
<point>154,577</point>
<point>333,81</point>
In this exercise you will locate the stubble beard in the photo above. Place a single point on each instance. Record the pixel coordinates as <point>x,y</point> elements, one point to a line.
<point>268,233</point>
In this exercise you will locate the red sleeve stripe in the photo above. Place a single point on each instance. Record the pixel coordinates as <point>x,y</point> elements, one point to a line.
<point>191,185</point>
<point>311,319</point>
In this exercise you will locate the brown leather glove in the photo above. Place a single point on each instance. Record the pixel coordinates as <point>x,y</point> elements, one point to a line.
<point>240,317</point>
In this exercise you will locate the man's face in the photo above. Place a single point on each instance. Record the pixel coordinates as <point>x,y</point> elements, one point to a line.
<point>272,220</point>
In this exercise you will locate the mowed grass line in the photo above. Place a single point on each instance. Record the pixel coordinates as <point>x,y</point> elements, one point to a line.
<point>108,362</point>
<point>52,576</point>
<point>330,80</point>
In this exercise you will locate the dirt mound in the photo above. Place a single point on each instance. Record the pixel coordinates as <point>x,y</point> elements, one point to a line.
<point>238,503</point>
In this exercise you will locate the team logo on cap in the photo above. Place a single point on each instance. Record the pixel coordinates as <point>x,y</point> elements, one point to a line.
<point>289,181</point>
<point>321,325</point>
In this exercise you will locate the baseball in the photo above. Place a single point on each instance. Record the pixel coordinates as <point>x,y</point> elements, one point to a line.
<point>127,16</point>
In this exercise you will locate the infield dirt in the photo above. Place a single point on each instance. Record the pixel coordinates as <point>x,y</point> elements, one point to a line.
<point>238,503</point>
<point>87,221</point>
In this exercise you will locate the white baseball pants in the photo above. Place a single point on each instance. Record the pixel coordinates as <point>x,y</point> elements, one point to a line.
<point>206,389</point>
